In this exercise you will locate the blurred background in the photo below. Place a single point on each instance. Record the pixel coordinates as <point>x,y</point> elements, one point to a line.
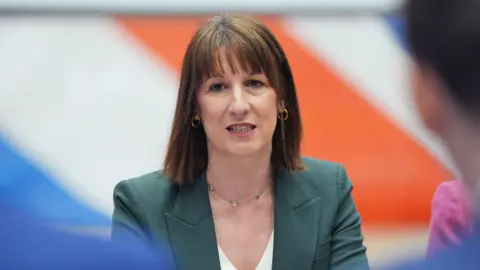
<point>88,89</point>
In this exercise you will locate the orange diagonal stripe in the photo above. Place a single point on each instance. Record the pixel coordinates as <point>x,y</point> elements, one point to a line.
<point>394,177</point>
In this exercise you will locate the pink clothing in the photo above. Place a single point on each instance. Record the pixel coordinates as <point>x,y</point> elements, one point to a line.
<point>451,216</point>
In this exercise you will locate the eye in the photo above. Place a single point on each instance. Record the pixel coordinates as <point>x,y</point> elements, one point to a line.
<point>255,83</point>
<point>216,87</point>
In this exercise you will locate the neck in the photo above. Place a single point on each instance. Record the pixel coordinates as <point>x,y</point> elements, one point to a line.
<point>239,177</point>
<point>463,141</point>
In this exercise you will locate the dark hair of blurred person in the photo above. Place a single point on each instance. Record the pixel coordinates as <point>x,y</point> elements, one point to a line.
<point>444,39</point>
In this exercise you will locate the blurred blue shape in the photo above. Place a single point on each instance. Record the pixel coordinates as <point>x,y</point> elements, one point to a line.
<point>28,188</point>
<point>462,257</point>
<point>27,244</point>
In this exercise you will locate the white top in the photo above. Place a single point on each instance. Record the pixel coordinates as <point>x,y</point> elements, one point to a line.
<point>264,264</point>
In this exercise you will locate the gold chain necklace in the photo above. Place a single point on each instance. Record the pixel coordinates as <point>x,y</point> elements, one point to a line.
<point>234,203</point>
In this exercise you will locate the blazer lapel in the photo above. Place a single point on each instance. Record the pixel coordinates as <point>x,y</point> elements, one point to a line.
<point>191,229</point>
<point>297,211</point>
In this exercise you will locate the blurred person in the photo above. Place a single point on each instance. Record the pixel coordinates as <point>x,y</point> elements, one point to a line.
<point>26,243</point>
<point>451,219</point>
<point>444,39</point>
<point>234,192</point>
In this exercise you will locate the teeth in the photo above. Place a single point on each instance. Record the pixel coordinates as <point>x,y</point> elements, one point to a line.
<point>241,129</point>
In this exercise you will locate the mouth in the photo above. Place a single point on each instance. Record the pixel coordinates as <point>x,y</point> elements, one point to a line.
<point>241,128</point>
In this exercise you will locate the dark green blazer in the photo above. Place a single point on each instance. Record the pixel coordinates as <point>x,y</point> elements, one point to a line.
<point>316,222</point>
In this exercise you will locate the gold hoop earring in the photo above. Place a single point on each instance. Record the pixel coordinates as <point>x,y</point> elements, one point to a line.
<point>196,121</point>
<point>283,115</point>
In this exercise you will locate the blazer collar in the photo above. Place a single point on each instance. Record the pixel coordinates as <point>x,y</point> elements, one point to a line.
<point>296,215</point>
<point>191,229</point>
<point>193,204</point>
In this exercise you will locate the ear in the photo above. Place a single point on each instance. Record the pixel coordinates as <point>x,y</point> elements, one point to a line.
<point>428,96</point>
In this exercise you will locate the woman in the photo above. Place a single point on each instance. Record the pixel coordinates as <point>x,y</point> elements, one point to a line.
<point>234,192</point>
<point>451,217</point>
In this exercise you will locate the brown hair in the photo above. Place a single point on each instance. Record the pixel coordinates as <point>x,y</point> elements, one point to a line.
<point>258,51</point>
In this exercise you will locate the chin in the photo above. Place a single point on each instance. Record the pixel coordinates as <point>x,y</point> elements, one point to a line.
<point>244,150</point>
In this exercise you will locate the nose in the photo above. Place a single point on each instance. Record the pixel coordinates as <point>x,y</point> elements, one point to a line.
<point>239,105</point>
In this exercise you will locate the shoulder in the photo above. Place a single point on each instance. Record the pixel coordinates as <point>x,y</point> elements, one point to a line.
<point>324,179</point>
<point>155,180</point>
<point>324,174</point>
<point>321,166</point>
<point>449,193</point>
<point>451,217</point>
<point>450,201</point>
<point>151,189</point>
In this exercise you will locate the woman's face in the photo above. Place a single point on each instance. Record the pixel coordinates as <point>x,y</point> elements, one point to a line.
<point>238,110</point>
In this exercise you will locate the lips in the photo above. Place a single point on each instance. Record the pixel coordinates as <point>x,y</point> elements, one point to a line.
<point>241,128</point>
